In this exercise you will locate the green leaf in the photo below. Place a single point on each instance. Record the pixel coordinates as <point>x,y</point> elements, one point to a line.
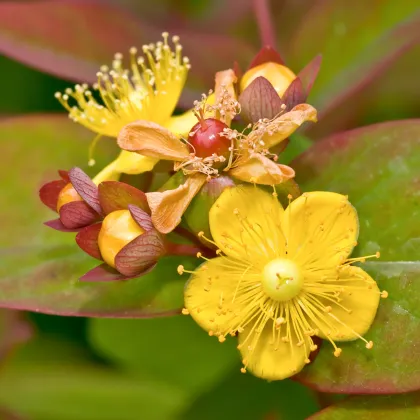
<point>173,349</point>
<point>73,39</point>
<point>247,397</point>
<point>397,407</point>
<point>355,50</point>
<point>40,267</point>
<point>379,168</point>
<point>51,380</point>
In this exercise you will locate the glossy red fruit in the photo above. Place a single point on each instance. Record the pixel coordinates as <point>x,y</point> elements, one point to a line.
<point>205,138</point>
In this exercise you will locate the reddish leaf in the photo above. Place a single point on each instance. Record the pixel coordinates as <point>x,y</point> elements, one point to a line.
<point>141,217</point>
<point>77,214</point>
<point>260,100</point>
<point>87,239</point>
<point>85,188</point>
<point>57,225</point>
<point>49,192</point>
<point>114,195</point>
<point>265,55</point>
<point>140,254</point>
<point>309,74</point>
<point>294,94</point>
<point>103,273</point>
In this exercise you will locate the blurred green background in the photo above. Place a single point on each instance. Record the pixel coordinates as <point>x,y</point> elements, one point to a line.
<point>74,368</point>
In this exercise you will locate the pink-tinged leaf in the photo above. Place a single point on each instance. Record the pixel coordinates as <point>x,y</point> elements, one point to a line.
<point>309,74</point>
<point>260,100</point>
<point>140,254</point>
<point>378,167</point>
<point>294,94</point>
<point>64,175</point>
<point>265,55</point>
<point>85,188</point>
<point>114,195</point>
<point>57,225</point>
<point>141,217</point>
<point>77,214</point>
<point>373,407</point>
<point>14,330</point>
<point>73,39</point>
<point>103,273</point>
<point>49,193</point>
<point>87,239</point>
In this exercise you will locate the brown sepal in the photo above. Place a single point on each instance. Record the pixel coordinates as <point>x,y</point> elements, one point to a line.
<point>57,225</point>
<point>85,188</point>
<point>265,55</point>
<point>260,100</point>
<point>87,239</point>
<point>141,217</point>
<point>77,214</point>
<point>309,74</point>
<point>49,193</point>
<point>294,94</point>
<point>64,175</point>
<point>140,254</point>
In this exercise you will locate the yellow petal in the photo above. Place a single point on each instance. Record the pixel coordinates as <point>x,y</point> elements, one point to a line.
<point>210,291</point>
<point>286,124</point>
<point>321,229</point>
<point>270,358</point>
<point>168,207</point>
<point>244,222</point>
<point>127,163</point>
<point>363,301</point>
<point>261,170</point>
<point>182,124</point>
<point>151,139</point>
<point>225,81</point>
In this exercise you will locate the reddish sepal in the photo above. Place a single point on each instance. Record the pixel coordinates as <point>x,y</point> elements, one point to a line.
<point>141,217</point>
<point>57,225</point>
<point>77,214</point>
<point>87,239</point>
<point>64,175</point>
<point>140,254</point>
<point>114,195</point>
<point>85,188</point>
<point>49,193</point>
<point>266,54</point>
<point>309,74</point>
<point>103,273</point>
<point>260,100</point>
<point>294,94</point>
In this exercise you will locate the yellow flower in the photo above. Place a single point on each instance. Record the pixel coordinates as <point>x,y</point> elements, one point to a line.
<point>148,91</point>
<point>282,277</point>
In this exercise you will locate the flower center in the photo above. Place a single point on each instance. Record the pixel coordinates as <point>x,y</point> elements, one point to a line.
<point>282,279</point>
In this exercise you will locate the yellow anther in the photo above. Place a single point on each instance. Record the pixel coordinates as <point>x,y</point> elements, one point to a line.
<point>384,294</point>
<point>243,370</point>
<point>378,254</point>
<point>185,311</point>
<point>221,338</point>
<point>369,345</point>
<point>180,270</point>
<point>337,352</point>
<point>199,254</point>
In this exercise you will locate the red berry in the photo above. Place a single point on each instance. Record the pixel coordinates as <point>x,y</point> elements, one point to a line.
<point>205,138</point>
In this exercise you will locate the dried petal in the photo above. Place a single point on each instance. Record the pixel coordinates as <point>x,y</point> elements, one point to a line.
<point>261,170</point>
<point>141,217</point>
<point>260,100</point>
<point>114,195</point>
<point>77,214</point>
<point>85,188</point>
<point>87,239</point>
<point>151,139</point>
<point>49,192</point>
<point>140,254</point>
<point>169,206</point>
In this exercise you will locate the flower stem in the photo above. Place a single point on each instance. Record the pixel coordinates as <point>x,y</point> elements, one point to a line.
<point>265,23</point>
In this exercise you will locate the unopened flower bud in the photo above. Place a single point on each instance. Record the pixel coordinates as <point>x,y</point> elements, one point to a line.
<point>67,195</point>
<point>118,229</point>
<point>278,75</point>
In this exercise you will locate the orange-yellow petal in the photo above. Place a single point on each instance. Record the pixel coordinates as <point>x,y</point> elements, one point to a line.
<point>245,223</point>
<point>181,124</point>
<point>268,357</point>
<point>321,229</point>
<point>362,301</point>
<point>209,294</point>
